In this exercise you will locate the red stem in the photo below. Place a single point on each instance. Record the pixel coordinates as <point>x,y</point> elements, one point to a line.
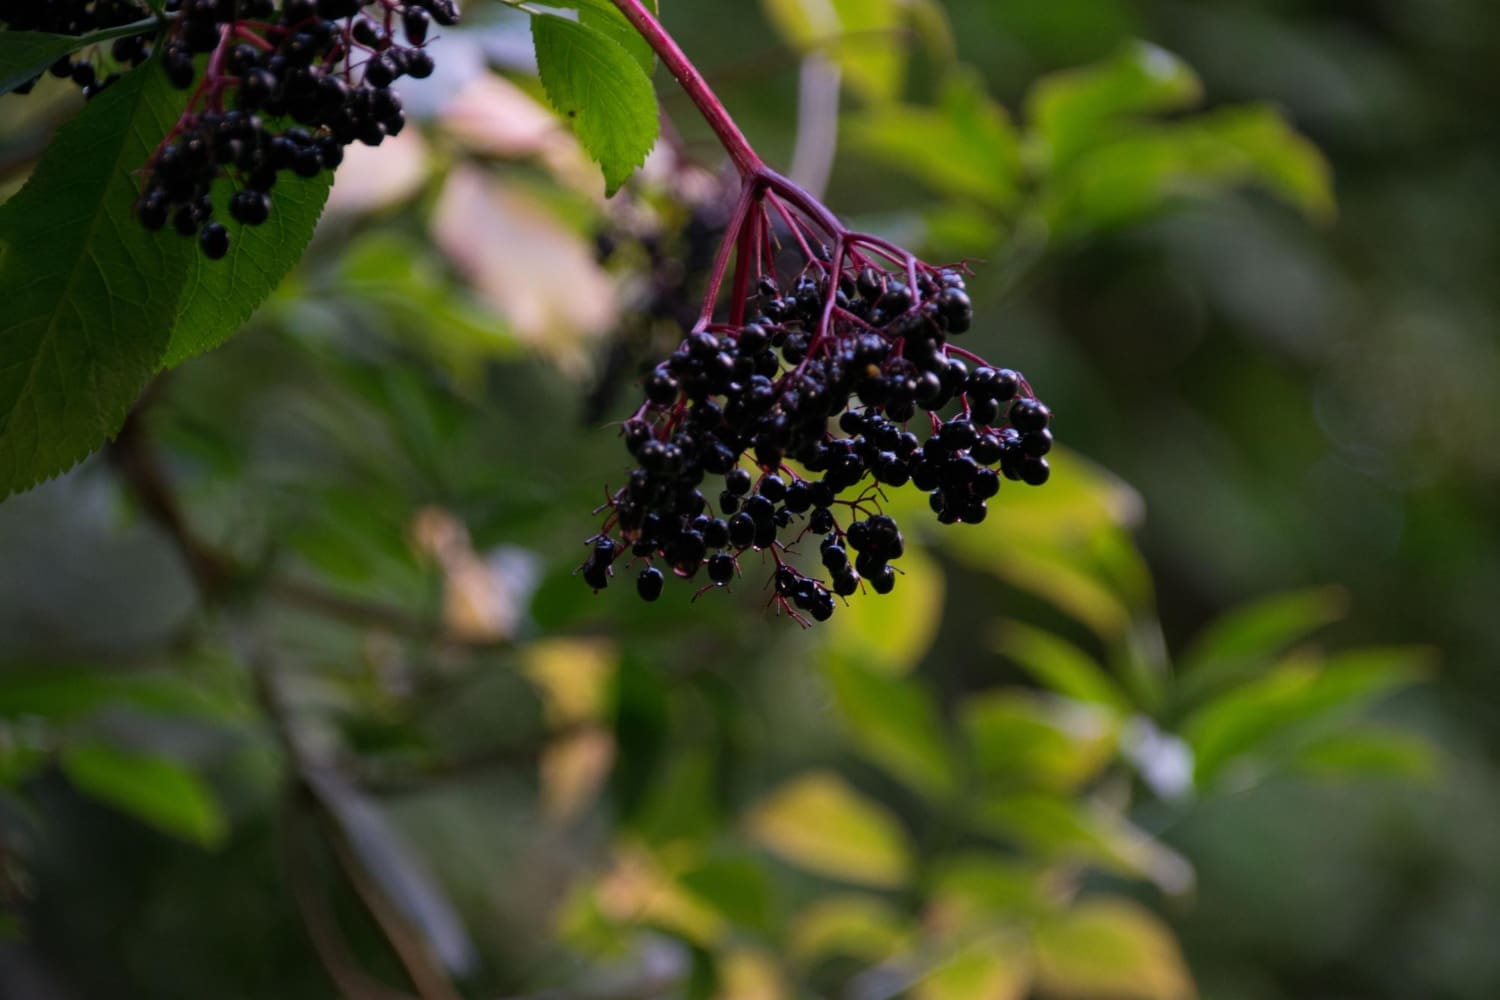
<point>735,144</point>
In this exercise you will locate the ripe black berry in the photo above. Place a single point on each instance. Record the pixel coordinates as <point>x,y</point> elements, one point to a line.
<point>214,241</point>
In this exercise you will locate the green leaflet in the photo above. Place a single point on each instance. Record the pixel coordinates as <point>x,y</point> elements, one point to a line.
<point>601,90</point>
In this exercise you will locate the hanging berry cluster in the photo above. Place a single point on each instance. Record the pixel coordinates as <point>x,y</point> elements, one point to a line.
<point>82,17</point>
<point>833,380</point>
<point>327,65</point>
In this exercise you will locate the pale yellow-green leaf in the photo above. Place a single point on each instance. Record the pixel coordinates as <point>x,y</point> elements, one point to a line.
<point>1368,752</point>
<point>819,823</point>
<point>974,890</point>
<point>996,967</point>
<point>892,632</point>
<point>892,720</point>
<point>1110,949</point>
<point>861,927</point>
<point>1021,740</point>
<point>1056,828</point>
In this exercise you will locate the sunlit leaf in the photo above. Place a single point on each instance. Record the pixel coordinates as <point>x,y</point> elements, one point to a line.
<point>996,967</point>
<point>1056,828</point>
<point>892,632</point>
<point>819,823</point>
<point>155,790</point>
<point>857,926</point>
<point>892,720</point>
<point>1023,740</point>
<point>971,890</point>
<point>861,36</point>
<point>1110,949</point>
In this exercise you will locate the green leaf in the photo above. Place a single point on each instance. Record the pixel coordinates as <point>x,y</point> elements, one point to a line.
<point>602,92</point>
<point>1059,666</point>
<point>90,295</point>
<point>862,927</point>
<point>997,967</point>
<point>153,789</point>
<point>1022,740</point>
<point>862,36</point>
<point>605,17</point>
<point>1110,949</point>
<point>819,823</point>
<point>1055,828</point>
<point>1150,168</point>
<point>892,632</point>
<point>893,721</point>
<point>1257,720</point>
<point>1079,109</point>
<point>221,294</point>
<point>1368,752</point>
<point>965,147</point>
<point>63,693</point>
<point>1244,640</point>
<point>25,55</point>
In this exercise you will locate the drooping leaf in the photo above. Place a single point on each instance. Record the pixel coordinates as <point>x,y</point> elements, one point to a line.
<point>91,296</point>
<point>819,823</point>
<point>25,55</point>
<point>601,91</point>
<point>221,294</point>
<point>153,789</point>
<point>1248,638</point>
<point>1110,949</point>
<point>1022,740</point>
<point>893,721</point>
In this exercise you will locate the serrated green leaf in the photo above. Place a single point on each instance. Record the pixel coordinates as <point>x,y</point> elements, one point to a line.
<point>25,55</point>
<point>90,296</point>
<point>601,91</point>
<point>222,294</point>
<point>153,789</point>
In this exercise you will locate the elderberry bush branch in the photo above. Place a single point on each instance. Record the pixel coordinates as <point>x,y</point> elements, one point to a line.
<point>827,378</point>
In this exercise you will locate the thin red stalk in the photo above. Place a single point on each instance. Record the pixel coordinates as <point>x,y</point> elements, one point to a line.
<point>691,81</point>
<point>721,259</point>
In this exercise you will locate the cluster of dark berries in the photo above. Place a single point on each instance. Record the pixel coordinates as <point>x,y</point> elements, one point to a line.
<point>93,71</point>
<point>819,394</point>
<point>286,87</point>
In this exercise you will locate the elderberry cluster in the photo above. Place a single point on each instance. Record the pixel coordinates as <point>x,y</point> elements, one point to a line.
<point>286,87</point>
<point>833,380</point>
<point>80,17</point>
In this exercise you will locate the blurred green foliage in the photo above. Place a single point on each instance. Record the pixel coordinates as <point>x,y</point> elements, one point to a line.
<point>1078,753</point>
